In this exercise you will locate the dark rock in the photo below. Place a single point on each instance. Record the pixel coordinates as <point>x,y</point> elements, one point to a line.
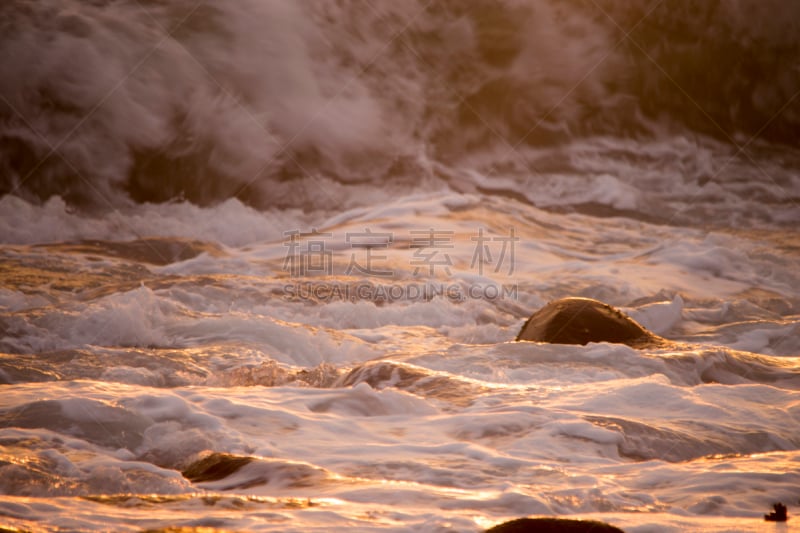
<point>778,515</point>
<point>185,529</point>
<point>583,320</point>
<point>553,525</point>
<point>214,467</point>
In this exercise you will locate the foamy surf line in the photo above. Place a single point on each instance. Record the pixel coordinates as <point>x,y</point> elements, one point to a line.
<point>229,383</point>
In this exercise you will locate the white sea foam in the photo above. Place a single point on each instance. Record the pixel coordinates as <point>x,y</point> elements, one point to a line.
<point>659,317</point>
<point>230,223</point>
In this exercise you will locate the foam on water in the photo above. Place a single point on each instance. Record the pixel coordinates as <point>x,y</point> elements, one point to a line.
<point>412,411</point>
<point>229,223</point>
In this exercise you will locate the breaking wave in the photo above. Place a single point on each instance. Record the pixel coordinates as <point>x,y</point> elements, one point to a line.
<point>118,102</point>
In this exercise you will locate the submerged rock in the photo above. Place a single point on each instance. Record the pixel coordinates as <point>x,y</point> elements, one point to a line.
<point>779,513</point>
<point>184,529</point>
<point>214,467</point>
<point>553,525</point>
<point>583,320</point>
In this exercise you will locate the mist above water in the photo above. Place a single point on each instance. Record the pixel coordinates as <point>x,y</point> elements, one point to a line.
<point>107,104</point>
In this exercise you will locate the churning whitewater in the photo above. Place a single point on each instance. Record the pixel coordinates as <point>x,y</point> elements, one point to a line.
<point>263,264</point>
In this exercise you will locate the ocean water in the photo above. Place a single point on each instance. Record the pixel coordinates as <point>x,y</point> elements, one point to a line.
<point>305,234</point>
